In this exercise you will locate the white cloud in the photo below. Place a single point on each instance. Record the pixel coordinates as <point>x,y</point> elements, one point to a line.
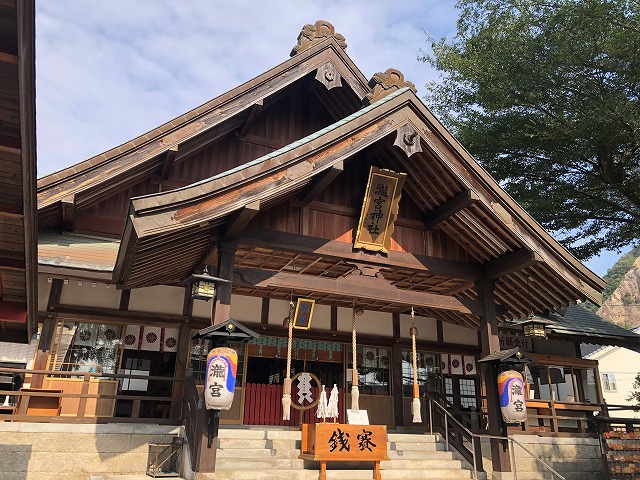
<point>109,71</point>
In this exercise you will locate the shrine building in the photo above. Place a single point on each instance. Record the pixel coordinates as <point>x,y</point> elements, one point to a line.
<point>309,183</point>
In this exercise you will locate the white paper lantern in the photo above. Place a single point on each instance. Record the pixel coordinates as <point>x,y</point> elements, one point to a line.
<point>512,396</point>
<point>220,382</point>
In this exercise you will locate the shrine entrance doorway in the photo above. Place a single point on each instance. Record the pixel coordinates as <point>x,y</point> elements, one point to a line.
<point>266,370</point>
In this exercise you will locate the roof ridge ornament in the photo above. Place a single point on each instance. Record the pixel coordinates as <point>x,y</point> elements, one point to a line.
<point>383,84</point>
<point>312,34</point>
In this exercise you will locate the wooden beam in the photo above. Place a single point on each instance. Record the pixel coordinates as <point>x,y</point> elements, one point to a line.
<point>68,206</point>
<point>322,181</point>
<point>241,219</point>
<point>256,108</point>
<point>512,262</point>
<point>125,295</point>
<point>262,141</point>
<point>12,264</point>
<point>8,58</point>
<point>450,208</point>
<point>352,286</point>
<point>110,314</point>
<point>169,159</point>
<point>170,182</point>
<point>332,249</point>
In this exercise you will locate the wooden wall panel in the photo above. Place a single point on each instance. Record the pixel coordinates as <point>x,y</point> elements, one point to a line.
<point>108,216</point>
<point>331,226</point>
<point>291,119</point>
<point>406,239</point>
<point>282,217</point>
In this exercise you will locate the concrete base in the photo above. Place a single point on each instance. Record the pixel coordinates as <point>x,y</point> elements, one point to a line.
<point>33,451</point>
<point>502,475</point>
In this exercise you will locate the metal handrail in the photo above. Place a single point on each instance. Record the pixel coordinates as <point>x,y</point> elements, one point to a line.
<point>475,436</point>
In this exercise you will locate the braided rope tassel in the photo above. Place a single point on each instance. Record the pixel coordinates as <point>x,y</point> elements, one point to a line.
<point>355,393</point>
<point>415,404</point>
<point>286,390</point>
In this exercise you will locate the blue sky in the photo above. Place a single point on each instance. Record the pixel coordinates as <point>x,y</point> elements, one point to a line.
<point>108,71</point>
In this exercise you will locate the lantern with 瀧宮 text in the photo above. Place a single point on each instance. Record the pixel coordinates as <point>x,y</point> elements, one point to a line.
<point>512,396</point>
<point>220,382</point>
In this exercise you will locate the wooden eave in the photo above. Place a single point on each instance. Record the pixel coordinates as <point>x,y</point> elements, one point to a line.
<point>18,263</point>
<point>95,178</point>
<point>167,234</point>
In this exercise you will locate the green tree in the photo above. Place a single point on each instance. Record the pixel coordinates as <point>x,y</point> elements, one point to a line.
<point>635,395</point>
<point>546,95</point>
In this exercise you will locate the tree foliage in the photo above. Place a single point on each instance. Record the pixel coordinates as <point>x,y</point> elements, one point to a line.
<point>546,95</point>
<point>635,395</point>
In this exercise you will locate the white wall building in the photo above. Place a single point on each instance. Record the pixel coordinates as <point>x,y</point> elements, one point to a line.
<point>618,369</point>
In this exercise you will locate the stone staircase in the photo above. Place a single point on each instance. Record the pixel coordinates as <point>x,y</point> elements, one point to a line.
<point>272,454</point>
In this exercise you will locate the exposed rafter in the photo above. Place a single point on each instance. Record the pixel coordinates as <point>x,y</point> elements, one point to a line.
<point>241,219</point>
<point>169,159</point>
<point>512,262</point>
<point>320,182</point>
<point>68,206</point>
<point>449,209</point>
<point>255,110</point>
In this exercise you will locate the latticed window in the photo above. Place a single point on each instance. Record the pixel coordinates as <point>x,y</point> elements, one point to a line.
<point>429,379</point>
<point>86,347</point>
<point>373,370</point>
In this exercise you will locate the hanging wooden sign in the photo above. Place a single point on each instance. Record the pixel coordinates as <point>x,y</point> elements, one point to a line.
<point>379,210</point>
<point>304,314</point>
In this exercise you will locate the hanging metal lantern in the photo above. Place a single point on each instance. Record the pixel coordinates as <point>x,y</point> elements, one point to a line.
<point>534,327</point>
<point>203,286</point>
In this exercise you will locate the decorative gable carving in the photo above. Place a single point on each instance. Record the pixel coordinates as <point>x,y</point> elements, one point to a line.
<point>313,34</point>
<point>329,76</point>
<point>382,84</point>
<point>408,139</point>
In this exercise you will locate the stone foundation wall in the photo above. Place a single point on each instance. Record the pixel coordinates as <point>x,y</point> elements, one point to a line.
<point>573,458</point>
<point>30,451</point>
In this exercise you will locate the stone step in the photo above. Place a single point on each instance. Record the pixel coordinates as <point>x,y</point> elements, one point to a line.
<point>286,475</point>
<point>244,443</point>
<point>259,434</point>
<point>233,443</point>
<point>121,477</point>
<point>425,474</point>
<point>419,446</point>
<point>421,464</point>
<point>258,464</point>
<point>419,454</point>
<point>411,437</point>
<point>257,453</point>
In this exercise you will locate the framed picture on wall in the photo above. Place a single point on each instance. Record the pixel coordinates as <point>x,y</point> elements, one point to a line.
<point>304,314</point>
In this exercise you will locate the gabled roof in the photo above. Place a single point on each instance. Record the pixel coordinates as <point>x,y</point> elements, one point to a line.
<point>175,228</point>
<point>583,325</point>
<point>140,157</point>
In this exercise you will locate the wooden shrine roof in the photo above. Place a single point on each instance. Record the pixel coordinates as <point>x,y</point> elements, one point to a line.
<point>89,181</point>
<point>168,234</point>
<point>18,274</point>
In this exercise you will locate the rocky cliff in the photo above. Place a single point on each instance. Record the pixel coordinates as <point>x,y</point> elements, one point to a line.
<point>622,306</point>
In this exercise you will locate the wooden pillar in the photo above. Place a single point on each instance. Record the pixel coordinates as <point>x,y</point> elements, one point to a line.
<point>182,358</point>
<point>396,373</point>
<point>41,361</point>
<point>226,262</point>
<point>490,343</point>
